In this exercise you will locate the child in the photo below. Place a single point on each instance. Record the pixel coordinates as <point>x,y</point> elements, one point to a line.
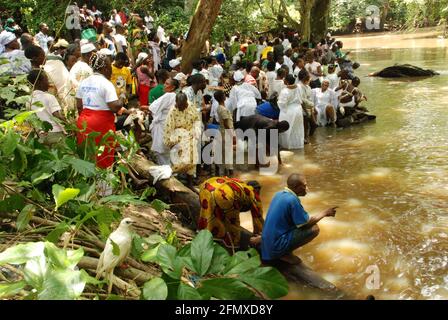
<point>41,98</point>
<point>225,119</point>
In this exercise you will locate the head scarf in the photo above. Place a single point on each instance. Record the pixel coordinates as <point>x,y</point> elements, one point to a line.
<point>238,76</point>
<point>5,39</point>
<point>174,63</point>
<point>141,57</point>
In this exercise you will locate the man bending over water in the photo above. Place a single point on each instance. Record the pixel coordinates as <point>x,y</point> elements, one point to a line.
<point>288,226</point>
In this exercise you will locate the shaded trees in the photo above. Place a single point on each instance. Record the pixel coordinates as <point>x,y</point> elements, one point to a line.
<point>200,30</point>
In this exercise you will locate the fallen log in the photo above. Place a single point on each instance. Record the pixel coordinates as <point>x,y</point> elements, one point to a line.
<point>404,71</point>
<point>184,198</point>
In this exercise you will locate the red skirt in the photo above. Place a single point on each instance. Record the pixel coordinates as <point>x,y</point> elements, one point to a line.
<point>98,121</point>
<point>143,93</point>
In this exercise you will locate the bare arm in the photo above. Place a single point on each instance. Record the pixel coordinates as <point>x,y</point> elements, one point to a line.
<point>115,106</point>
<point>315,219</point>
<point>79,105</point>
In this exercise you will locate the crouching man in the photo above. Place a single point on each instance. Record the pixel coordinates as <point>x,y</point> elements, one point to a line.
<point>288,226</point>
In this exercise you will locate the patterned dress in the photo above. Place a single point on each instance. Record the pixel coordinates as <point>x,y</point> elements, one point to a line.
<point>222,199</point>
<point>182,132</point>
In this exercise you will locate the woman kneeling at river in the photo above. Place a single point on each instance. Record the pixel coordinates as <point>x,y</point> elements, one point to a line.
<point>97,101</point>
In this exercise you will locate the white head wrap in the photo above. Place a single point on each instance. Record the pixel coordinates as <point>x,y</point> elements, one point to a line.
<point>5,39</point>
<point>86,48</point>
<point>141,57</point>
<point>238,76</point>
<point>174,63</point>
<point>106,52</point>
<point>180,76</point>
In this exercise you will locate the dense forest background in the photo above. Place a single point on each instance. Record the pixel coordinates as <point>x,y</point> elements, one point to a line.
<point>311,17</point>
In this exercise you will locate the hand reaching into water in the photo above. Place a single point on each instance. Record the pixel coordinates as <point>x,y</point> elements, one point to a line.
<point>331,212</point>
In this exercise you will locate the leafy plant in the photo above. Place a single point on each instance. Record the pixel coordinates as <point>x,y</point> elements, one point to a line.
<point>49,273</point>
<point>202,270</point>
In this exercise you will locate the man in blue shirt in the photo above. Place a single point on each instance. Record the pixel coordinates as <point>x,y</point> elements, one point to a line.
<point>288,226</point>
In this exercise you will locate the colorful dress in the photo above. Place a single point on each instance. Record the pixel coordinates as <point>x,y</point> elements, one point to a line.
<point>181,134</point>
<point>222,199</point>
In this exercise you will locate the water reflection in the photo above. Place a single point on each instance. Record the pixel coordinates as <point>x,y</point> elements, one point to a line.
<point>389,180</point>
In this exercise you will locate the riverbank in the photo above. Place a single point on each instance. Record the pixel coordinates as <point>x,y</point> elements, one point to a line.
<point>420,38</point>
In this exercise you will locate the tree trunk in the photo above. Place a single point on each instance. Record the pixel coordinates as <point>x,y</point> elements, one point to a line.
<point>319,19</point>
<point>200,29</point>
<point>182,198</point>
<point>305,19</point>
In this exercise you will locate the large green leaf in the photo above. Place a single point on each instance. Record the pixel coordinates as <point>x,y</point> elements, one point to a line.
<point>84,168</point>
<point>9,142</point>
<point>244,266</point>
<point>150,255</point>
<point>62,195</point>
<point>62,285</point>
<point>219,260</point>
<point>226,289</point>
<point>21,253</point>
<point>11,289</point>
<point>267,280</point>
<point>202,252</point>
<point>63,259</point>
<point>25,216</point>
<point>186,292</point>
<point>169,261</point>
<point>155,289</point>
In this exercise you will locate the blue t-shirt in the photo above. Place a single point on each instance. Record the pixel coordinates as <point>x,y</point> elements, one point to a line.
<point>284,215</point>
<point>266,109</point>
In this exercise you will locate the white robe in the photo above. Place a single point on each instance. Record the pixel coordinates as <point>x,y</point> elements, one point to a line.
<point>321,101</point>
<point>159,109</point>
<point>243,97</point>
<point>290,105</point>
<point>60,77</point>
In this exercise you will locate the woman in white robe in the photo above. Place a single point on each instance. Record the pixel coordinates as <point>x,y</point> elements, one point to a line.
<point>290,105</point>
<point>325,104</point>
<point>159,110</point>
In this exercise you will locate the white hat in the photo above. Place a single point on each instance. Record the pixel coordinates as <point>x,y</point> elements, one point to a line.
<point>5,39</point>
<point>238,76</point>
<point>174,63</point>
<point>141,57</point>
<point>106,52</point>
<point>180,76</point>
<point>86,48</point>
<point>62,43</point>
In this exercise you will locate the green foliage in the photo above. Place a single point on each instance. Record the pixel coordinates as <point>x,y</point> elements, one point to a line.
<point>211,273</point>
<point>50,273</point>
<point>155,289</point>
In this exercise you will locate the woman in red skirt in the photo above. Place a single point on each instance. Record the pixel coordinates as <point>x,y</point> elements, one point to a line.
<point>97,102</point>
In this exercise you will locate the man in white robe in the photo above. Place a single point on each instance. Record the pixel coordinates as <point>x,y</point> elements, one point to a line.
<point>243,97</point>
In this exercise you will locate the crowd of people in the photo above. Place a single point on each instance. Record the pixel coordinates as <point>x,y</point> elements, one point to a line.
<point>119,66</point>
<point>122,64</point>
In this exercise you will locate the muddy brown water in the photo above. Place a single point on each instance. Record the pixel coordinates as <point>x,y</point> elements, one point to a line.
<point>389,179</point>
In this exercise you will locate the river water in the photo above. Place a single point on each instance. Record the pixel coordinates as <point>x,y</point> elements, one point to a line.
<point>389,179</point>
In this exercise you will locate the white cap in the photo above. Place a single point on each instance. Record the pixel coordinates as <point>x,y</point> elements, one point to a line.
<point>180,76</point>
<point>106,52</point>
<point>238,76</point>
<point>174,63</point>
<point>86,48</point>
<point>141,57</point>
